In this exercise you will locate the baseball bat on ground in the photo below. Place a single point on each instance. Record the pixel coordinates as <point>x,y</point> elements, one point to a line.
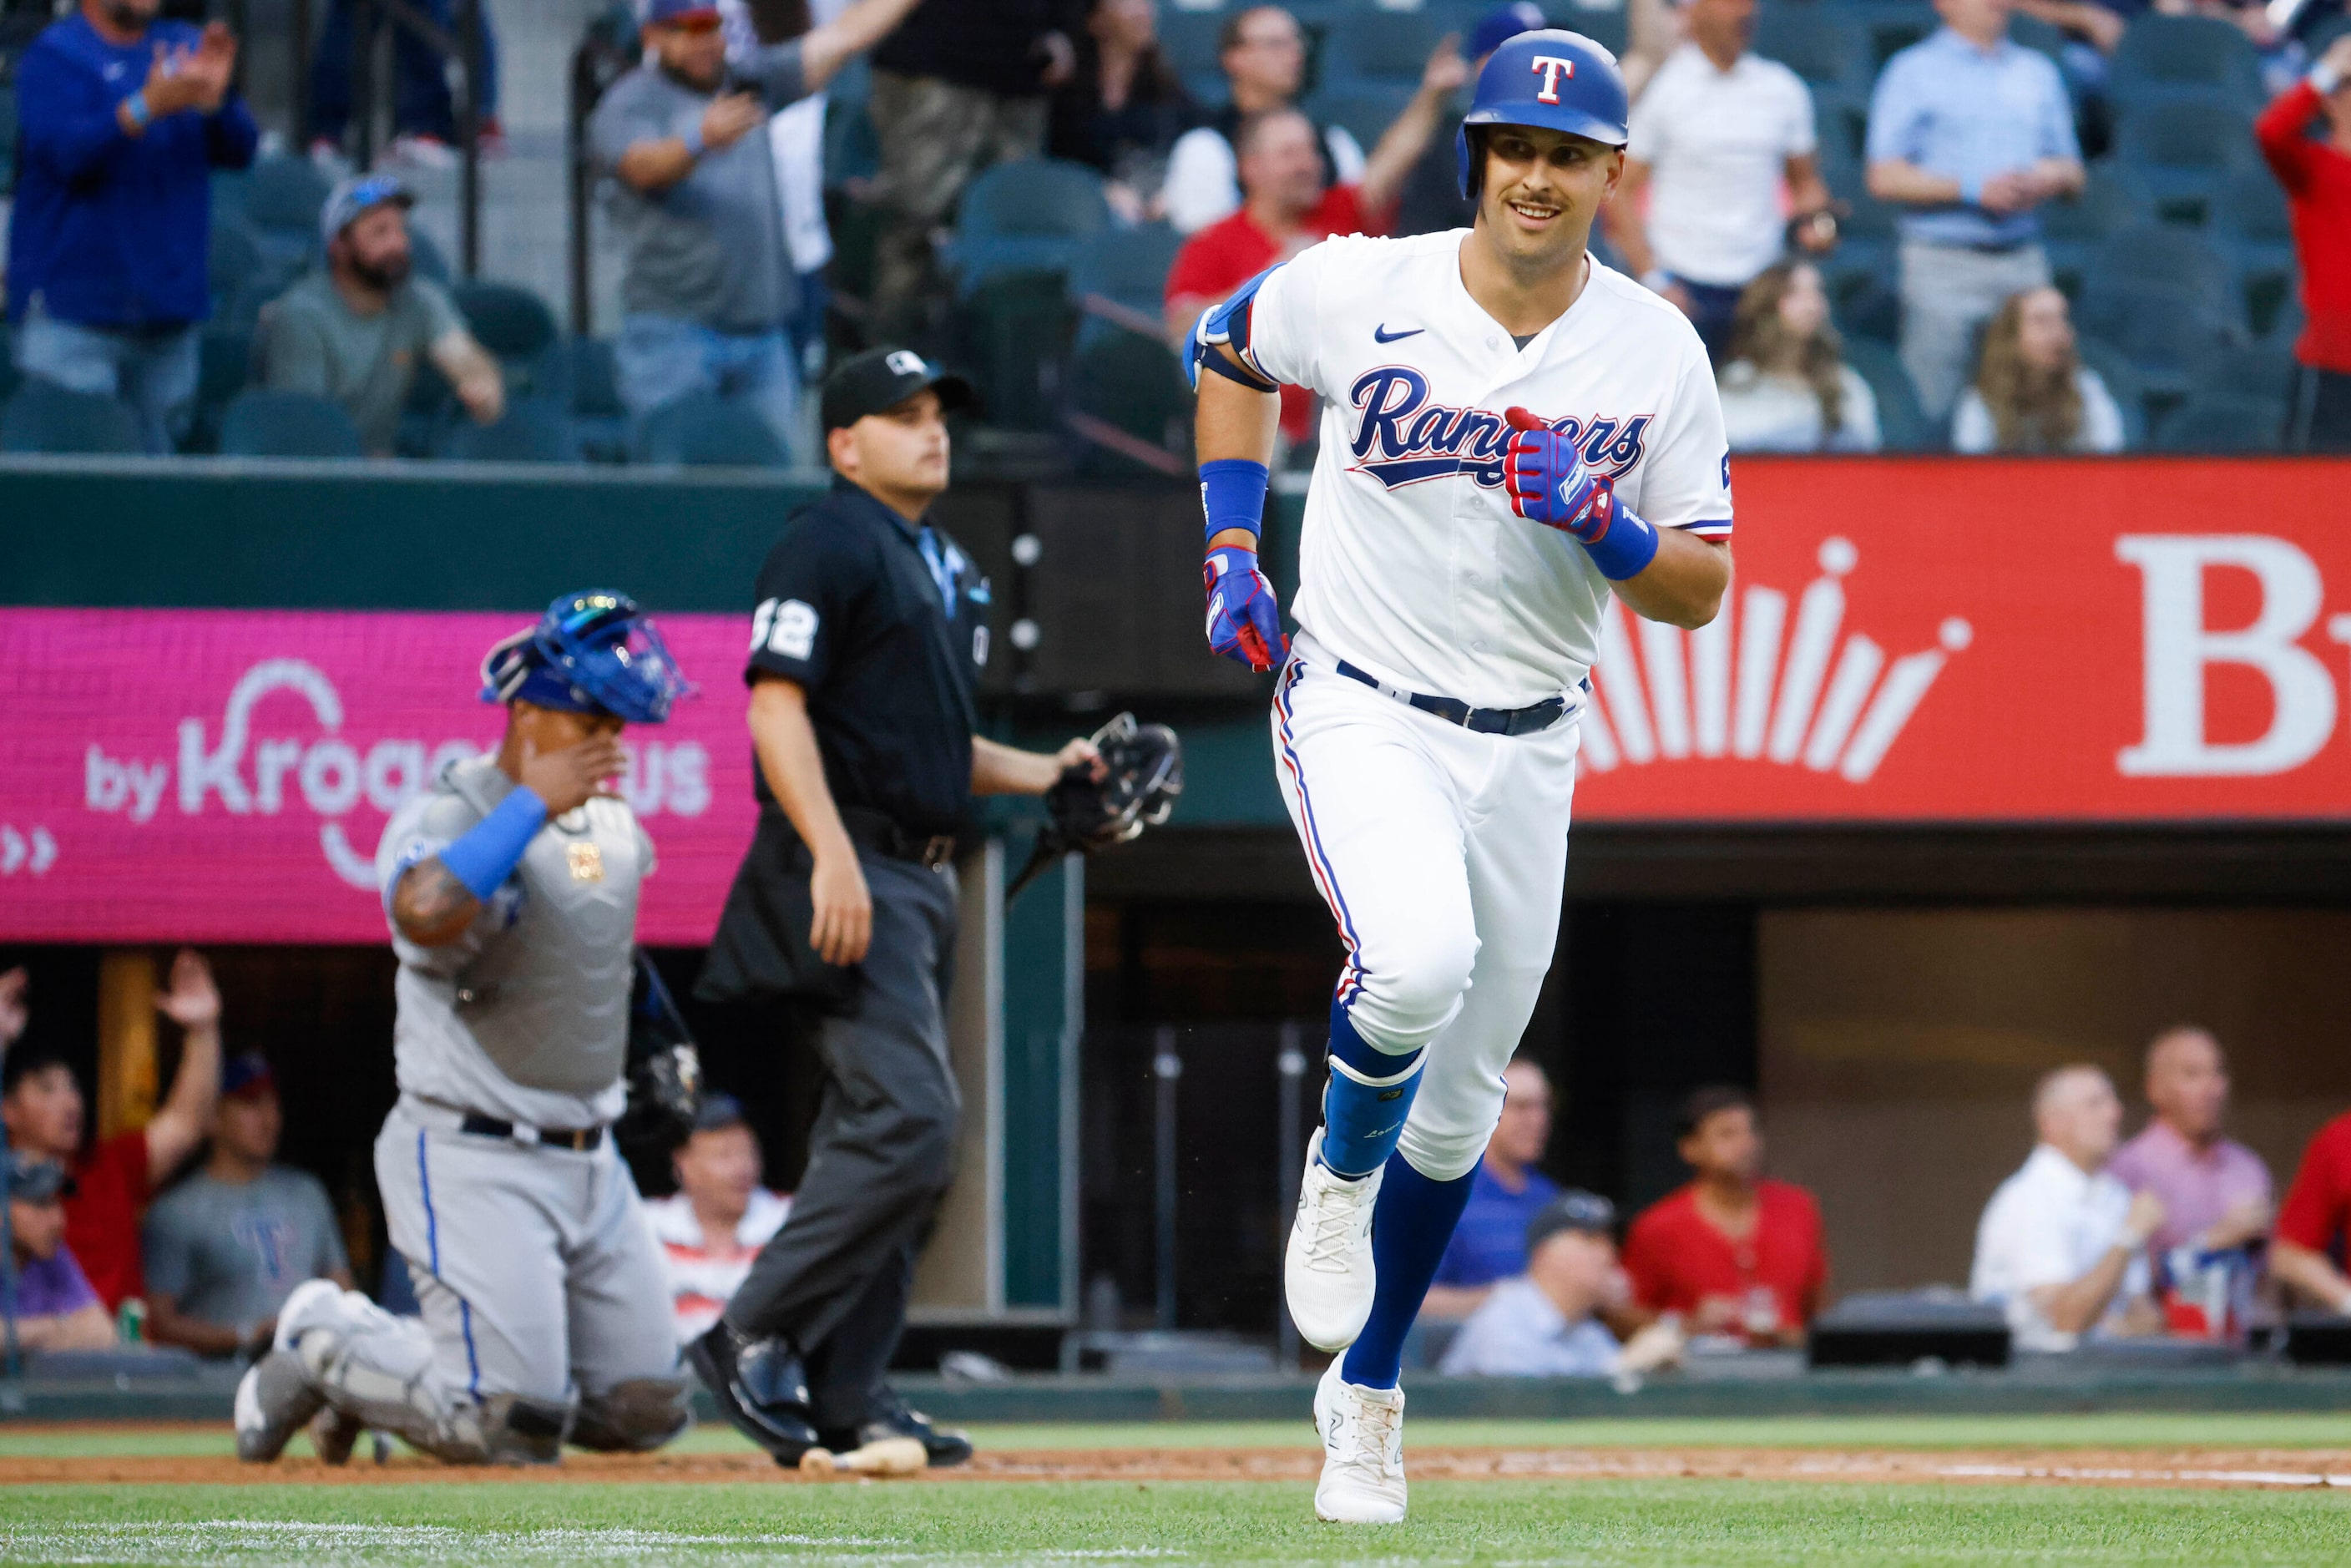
<point>890,1457</point>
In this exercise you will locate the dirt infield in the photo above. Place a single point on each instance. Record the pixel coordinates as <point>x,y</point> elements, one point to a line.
<point>2203,1468</point>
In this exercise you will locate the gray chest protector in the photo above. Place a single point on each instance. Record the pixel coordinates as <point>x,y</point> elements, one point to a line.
<point>547,999</point>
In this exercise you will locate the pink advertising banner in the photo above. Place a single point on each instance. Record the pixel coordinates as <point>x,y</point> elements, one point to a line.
<point>224,776</point>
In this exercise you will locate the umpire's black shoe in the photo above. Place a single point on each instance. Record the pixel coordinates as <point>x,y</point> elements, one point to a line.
<point>890,1418</point>
<point>760,1386</point>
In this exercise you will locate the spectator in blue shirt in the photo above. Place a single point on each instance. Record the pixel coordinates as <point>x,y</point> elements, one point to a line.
<point>1969,133</point>
<point>1490,1242</point>
<point>122,118</point>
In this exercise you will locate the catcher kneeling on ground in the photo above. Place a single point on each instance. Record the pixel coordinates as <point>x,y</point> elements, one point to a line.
<point>868,638</point>
<point>511,887</point>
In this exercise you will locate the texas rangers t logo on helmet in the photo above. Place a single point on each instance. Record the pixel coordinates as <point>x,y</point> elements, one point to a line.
<point>1551,68</point>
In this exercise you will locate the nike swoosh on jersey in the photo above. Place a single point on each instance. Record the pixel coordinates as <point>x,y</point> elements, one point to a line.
<point>1379,334</point>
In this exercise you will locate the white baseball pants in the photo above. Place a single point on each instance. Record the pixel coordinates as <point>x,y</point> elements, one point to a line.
<point>1443,856</point>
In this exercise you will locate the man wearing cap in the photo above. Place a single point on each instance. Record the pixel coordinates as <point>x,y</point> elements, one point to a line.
<point>43,1109</point>
<point>56,1308</point>
<point>122,118</point>
<point>511,887</point>
<point>866,644</point>
<point>356,333</point>
<point>708,290</point>
<point>225,1248</point>
<point>1544,1323</point>
<point>719,1218</point>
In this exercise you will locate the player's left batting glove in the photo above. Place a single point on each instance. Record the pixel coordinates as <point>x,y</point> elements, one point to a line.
<point>1244,619</point>
<point>1550,484</point>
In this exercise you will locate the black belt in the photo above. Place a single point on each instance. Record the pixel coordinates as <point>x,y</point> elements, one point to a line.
<point>1527,720</point>
<point>876,831</point>
<point>579,1139</point>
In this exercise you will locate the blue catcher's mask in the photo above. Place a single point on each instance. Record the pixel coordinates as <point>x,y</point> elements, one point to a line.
<point>592,651</point>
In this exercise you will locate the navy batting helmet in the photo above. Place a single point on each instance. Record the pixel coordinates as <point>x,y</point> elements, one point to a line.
<point>592,651</point>
<point>1552,78</point>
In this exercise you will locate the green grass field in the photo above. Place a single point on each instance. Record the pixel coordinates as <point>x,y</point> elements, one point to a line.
<point>1671,1521</point>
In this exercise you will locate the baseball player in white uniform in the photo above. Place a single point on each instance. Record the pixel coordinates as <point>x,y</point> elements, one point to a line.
<point>1511,432</point>
<point>511,888</point>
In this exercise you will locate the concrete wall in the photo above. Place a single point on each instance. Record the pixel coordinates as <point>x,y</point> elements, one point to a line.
<point>1898,1049</point>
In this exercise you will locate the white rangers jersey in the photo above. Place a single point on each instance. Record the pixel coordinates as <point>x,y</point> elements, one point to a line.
<point>1412,565</point>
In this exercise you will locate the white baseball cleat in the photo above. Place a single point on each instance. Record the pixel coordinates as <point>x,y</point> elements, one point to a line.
<point>1362,1452</point>
<point>1327,1273</point>
<point>275,1398</point>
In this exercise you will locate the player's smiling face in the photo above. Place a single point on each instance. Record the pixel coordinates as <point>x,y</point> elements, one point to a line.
<point>1541,189</point>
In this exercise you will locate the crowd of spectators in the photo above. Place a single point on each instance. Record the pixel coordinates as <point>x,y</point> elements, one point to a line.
<point>714,150</point>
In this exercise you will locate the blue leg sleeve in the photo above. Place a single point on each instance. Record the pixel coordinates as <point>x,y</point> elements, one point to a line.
<point>1411,1225</point>
<point>1370,1094</point>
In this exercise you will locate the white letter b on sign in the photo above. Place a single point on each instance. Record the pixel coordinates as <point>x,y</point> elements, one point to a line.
<point>2178,646</point>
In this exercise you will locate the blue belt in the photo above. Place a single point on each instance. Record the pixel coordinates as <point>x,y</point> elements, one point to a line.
<point>1531,720</point>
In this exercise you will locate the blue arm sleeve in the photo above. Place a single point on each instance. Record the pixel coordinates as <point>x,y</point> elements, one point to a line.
<point>1232,494</point>
<point>486,855</point>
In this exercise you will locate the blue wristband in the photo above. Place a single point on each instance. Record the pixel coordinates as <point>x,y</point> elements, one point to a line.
<point>141,115</point>
<point>1627,549</point>
<point>694,147</point>
<point>486,855</point>
<point>1232,493</point>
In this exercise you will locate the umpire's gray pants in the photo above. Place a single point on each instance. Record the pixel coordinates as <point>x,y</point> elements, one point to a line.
<point>833,1281</point>
<point>1948,292</point>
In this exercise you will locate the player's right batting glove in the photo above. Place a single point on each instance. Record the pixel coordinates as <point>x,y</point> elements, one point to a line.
<point>1549,483</point>
<point>1244,618</point>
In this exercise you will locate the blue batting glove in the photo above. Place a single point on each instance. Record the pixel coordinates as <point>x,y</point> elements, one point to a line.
<point>1244,618</point>
<point>1550,484</point>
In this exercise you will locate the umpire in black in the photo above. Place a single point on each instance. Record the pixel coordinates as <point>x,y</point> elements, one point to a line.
<point>870,633</point>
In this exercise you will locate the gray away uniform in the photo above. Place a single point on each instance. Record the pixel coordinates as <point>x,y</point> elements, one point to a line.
<point>545,1312</point>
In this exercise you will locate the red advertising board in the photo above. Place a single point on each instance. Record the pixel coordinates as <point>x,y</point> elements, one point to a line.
<point>1925,641</point>
<point>2017,640</point>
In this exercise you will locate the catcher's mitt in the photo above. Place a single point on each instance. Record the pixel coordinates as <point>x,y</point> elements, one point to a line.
<point>664,1070</point>
<point>1142,772</point>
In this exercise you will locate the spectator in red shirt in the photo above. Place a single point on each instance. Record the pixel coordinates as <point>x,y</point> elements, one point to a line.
<point>1287,207</point>
<point>1733,1252</point>
<point>42,1108</point>
<point>2307,1249</point>
<point>2316,173</point>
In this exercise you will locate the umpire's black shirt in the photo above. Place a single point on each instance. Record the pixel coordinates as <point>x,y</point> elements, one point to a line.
<point>855,605</point>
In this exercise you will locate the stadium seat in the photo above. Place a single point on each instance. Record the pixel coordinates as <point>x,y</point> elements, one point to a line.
<point>598,416</point>
<point>2123,384</point>
<point>1363,108</point>
<point>1892,25</point>
<point>2163,332</point>
<point>1013,332</point>
<point>2187,152</point>
<point>2253,219</point>
<point>1188,40</point>
<point>702,430</point>
<point>1902,424</point>
<point>284,195</point>
<point>45,417</point>
<point>1034,215</point>
<point>259,424</point>
<point>425,259</point>
<point>2032,33</point>
<point>1604,24</point>
<point>2165,60</point>
<point>531,431</point>
<point>517,327</point>
<point>224,366</point>
<point>2113,200</point>
<point>1129,408</point>
<point>2164,255</point>
<point>1119,280</point>
<point>1381,47</point>
<point>236,272</point>
<point>2251,373</point>
<point>10,377</point>
<point>1827,46</point>
<point>2222,425</point>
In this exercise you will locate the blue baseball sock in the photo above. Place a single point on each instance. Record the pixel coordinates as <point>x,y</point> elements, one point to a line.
<point>1369,1095</point>
<point>1411,1224</point>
